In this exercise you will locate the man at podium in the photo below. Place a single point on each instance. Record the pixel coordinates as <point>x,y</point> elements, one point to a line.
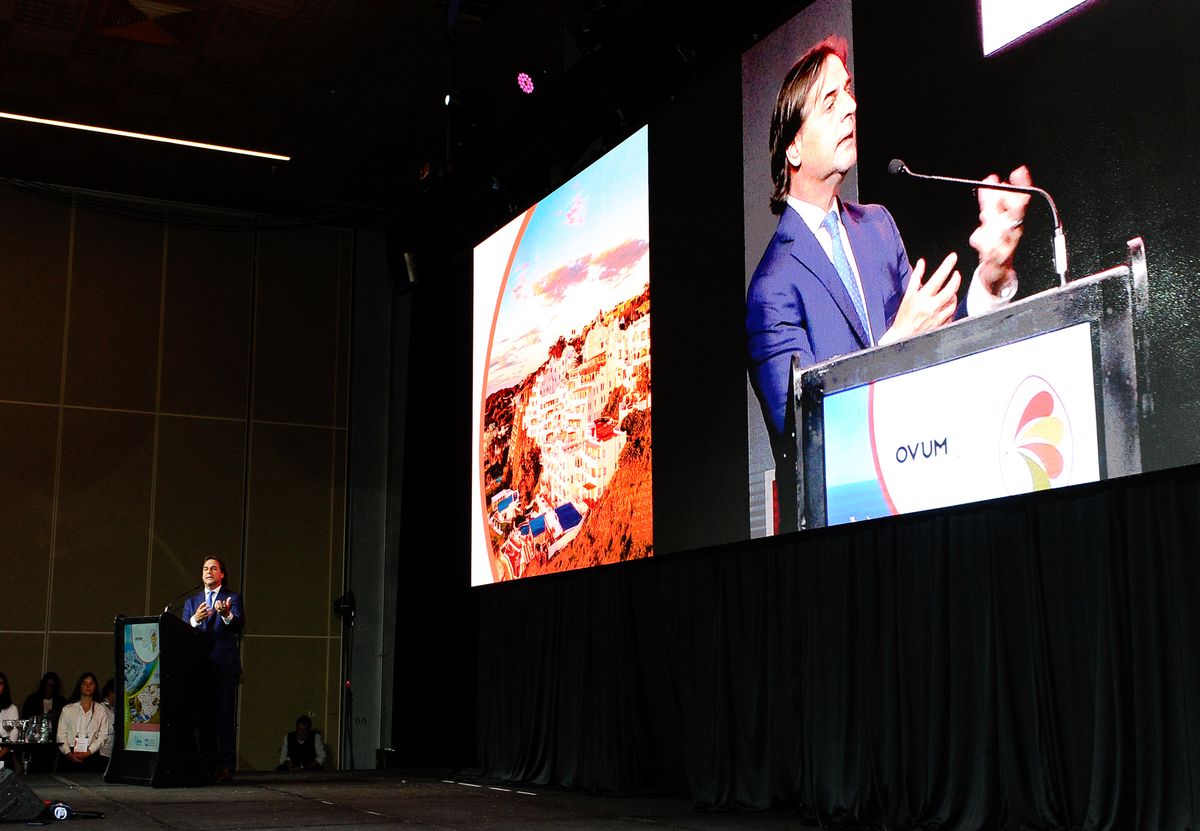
<point>835,277</point>
<point>217,613</point>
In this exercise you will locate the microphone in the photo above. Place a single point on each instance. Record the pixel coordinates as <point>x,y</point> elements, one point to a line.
<point>898,167</point>
<point>181,596</point>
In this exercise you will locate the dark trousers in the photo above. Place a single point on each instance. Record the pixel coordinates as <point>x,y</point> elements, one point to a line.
<point>218,721</point>
<point>92,764</point>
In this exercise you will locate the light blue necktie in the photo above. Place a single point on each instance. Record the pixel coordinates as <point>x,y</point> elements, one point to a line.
<point>210,598</point>
<point>843,269</point>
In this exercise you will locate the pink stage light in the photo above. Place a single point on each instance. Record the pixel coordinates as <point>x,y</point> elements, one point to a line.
<point>525,83</point>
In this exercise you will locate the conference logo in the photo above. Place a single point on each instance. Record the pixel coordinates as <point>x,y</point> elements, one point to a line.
<point>1036,442</point>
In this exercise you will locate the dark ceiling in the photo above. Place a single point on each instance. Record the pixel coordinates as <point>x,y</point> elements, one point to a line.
<point>351,89</point>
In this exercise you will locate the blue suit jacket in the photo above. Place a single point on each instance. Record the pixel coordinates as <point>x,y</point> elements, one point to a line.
<point>796,303</point>
<point>222,637</point>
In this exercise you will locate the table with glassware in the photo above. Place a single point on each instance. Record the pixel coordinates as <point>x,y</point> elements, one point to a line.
<point>22,736</point>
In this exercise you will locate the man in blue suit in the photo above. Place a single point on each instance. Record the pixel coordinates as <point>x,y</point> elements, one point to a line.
<point>835,277</point>
<point>217,613</point>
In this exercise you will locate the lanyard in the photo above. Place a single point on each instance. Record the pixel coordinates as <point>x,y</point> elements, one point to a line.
<point>91,715</point>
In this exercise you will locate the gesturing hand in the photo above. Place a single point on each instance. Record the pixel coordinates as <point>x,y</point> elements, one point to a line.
<point>926,306</point>
<point>1001,215</point>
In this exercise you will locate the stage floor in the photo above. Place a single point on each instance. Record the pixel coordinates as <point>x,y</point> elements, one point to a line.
<point>374,799</point>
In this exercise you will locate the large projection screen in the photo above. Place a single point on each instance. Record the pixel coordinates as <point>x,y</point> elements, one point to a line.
<point>965,91</point>
<point>561,473</point>
<point>1091,101</point>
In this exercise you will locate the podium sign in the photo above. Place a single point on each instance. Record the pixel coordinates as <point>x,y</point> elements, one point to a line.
<point>141,689</point>
<point>916,442</point>
<point>159,661</point>
<point>1047,392</point>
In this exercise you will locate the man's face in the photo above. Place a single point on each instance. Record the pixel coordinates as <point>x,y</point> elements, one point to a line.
<point>211,575</point>
<point>825,146</point>
<point>301,731</point>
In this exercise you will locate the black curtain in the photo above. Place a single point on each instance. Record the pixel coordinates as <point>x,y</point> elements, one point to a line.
<point>1020,664</point>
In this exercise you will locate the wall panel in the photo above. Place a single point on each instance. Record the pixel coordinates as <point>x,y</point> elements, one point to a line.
<point>116,293</point>
<point>21,661</point>
<point>198,502</point>
<point>290,680</point>
<point>288,544</point>
<point>28,437</point>
<point>33,283</point>
<point>103,532</point>
<point>295,346</point>
<point>127,457</point>
<point>206,314</point>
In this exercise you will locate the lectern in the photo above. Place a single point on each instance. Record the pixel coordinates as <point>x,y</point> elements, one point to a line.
<point>159,663</point>
<point>1046,392</point>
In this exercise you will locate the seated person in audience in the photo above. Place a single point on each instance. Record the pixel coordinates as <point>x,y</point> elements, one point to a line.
<point>8,712</point>
<point>83,727</point>
<point>46,700</point>
<point>108,695</point>
<point>302,749</point>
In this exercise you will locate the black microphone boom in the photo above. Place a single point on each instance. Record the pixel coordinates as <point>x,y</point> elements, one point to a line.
<point>179,597</point>
<point>898,167</point>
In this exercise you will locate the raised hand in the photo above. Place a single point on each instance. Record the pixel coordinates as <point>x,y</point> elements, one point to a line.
<point>926,305</point>
<point>1001,218</point>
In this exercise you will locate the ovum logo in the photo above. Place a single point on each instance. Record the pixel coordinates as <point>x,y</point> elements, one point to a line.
<point>1036,443</point>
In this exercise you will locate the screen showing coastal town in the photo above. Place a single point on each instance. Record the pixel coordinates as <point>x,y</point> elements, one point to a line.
<point>561,368</point>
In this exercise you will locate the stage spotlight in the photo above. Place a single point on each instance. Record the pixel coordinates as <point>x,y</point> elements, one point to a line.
<point>525,82</point>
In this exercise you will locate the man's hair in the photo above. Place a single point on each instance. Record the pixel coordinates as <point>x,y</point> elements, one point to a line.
<point>220,562</point>
<point>789,113</point>
<point>305,720</point>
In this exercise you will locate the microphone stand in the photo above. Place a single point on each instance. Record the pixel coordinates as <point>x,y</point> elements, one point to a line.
<point>898,167</point>
<point>179,597</point>
<point>346,608</point>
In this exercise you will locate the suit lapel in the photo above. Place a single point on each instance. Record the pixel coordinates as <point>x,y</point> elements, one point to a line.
<point>812,256</point>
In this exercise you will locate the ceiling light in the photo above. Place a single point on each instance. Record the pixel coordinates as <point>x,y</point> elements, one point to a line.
<point>144,136</point>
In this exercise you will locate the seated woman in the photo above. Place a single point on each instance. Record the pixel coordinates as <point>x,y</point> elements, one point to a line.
<point>83,727</point>
<point>8,712</point>
<point>46,700</point>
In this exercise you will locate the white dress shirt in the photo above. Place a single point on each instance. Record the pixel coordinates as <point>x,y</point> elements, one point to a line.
<point>74,725</point>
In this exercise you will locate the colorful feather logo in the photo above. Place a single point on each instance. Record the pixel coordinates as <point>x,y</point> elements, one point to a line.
<point>1037,439</point>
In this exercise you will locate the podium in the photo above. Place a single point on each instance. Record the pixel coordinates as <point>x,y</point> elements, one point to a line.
<point>159,678</point>
<point>1046,392</point>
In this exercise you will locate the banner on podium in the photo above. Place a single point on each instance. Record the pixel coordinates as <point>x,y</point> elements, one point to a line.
<point>142,686</point>
<point>1012,419</point>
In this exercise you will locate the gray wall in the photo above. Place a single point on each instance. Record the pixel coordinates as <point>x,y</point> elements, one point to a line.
<point>167,392</point>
